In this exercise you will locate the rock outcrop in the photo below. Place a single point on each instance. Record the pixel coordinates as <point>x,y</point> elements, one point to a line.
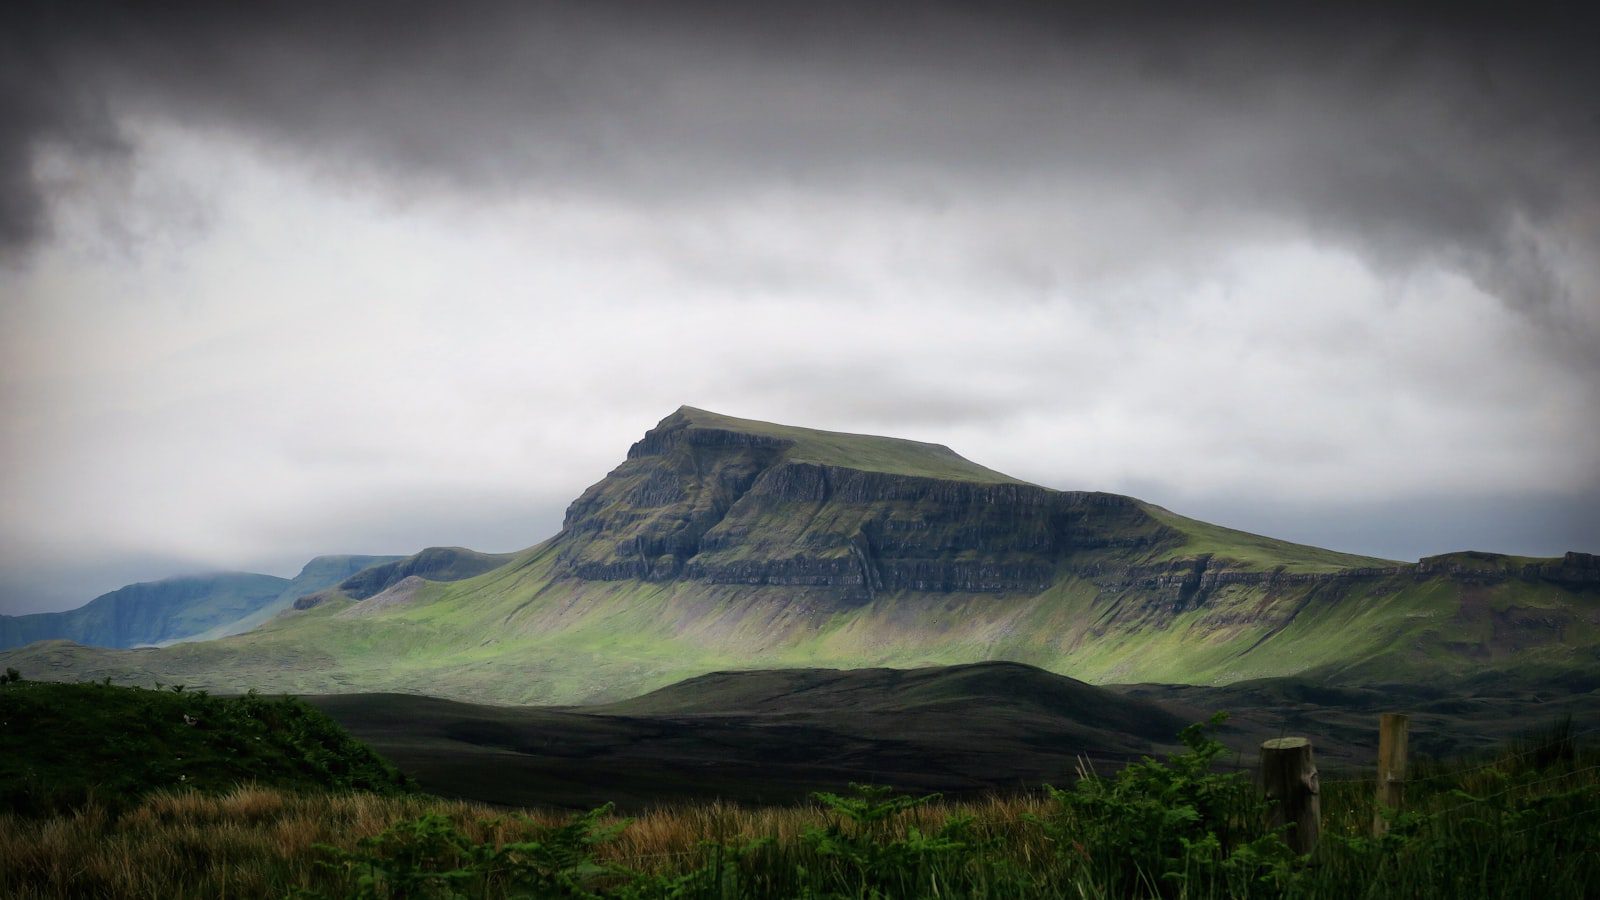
<point>731,507</point>
<point>433,564</point>
<point>709,499</point>
<point>1479,567</point>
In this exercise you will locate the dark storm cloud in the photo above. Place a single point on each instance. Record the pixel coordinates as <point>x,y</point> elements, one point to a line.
<point>1455,135</point>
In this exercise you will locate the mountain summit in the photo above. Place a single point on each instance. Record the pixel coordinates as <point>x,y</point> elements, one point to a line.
<point>711,498</point>
<point>724,543</point>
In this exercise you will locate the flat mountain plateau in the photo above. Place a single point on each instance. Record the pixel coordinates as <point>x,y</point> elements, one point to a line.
<point>724,543</point>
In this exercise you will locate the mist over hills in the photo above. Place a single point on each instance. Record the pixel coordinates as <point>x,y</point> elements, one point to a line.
<point>190,607</point>
<point>724,543</point>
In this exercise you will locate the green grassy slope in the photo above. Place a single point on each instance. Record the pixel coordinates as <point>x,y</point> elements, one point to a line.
<point>516,635</point>
<point>1253,552</point>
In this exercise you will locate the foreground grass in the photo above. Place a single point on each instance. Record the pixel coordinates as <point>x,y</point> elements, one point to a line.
<point>1526,824</point>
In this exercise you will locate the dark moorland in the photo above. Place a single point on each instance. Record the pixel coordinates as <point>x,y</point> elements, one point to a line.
<point>776,736</point>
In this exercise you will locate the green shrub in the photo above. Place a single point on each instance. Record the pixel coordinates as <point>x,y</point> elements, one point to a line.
<point>861,856</point>
<point>66,742</point>
<point>1169,829</point>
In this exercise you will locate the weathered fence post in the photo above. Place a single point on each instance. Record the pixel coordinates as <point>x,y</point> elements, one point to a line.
<point>1289,775</point>
<point>1392,733</point>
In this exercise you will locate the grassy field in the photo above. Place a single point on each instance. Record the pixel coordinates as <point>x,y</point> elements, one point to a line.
<point>1523,823</point>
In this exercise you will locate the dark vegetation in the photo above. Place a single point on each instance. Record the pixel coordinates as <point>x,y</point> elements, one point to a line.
<point>64,745</point>
<point>127,792</point>
<point>1524,823</point>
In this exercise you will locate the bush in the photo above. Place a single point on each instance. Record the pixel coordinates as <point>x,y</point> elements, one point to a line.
<point>863,857</point>
<point>1169,829</point>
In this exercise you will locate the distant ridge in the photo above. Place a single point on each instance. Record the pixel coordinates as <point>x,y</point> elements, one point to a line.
<point>191,607</point>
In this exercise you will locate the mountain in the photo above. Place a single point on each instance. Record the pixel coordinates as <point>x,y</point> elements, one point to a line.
<point>195,607</point>
<point>724,543</point>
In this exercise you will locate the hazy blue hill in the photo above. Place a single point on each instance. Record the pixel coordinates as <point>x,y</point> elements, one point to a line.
<point>150,612</point>
<point>187,607</point>
<point>319,574</point>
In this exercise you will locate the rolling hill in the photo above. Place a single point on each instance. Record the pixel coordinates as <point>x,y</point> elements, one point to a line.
<point>722,543</point>
<point>764,736</point>
<point>775,735</point>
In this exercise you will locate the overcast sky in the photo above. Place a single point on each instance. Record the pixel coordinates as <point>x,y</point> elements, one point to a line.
<point>299,278</point>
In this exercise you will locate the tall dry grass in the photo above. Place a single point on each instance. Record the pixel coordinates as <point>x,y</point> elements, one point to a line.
<point>259,842</point>
<point>1510,827</point>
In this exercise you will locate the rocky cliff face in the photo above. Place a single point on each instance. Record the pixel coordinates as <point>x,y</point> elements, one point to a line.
<point>1475,566</point>
<point>730,507</point>
<point>1184,584</point>
<point>701,500</point>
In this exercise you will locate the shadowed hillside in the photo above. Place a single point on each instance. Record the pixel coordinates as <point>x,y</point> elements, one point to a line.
<point>764,736</point>
<point>774,735</point>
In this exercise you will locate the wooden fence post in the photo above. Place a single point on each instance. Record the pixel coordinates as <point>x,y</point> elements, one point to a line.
<point>1289,775</point>
<point>1392,734</point>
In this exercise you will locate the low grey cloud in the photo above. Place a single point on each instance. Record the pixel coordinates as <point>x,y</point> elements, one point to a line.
<point>402,267</point>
